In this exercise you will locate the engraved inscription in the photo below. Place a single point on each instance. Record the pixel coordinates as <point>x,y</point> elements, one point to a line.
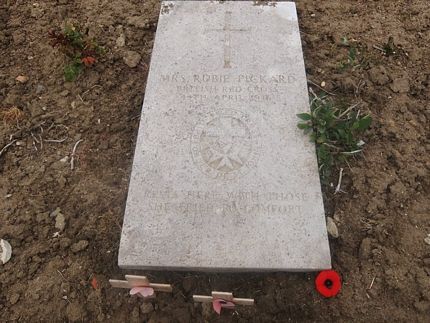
<point>227,202</point>
<point>225,208</point>
<point>240,88</point>
<point>225,144</point>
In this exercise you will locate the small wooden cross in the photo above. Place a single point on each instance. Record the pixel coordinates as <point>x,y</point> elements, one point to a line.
<point>221,300</point>
<point>140,285</point>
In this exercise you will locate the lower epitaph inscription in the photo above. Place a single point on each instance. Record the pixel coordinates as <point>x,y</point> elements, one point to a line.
<point>222,179</point>
<point>244,203</point>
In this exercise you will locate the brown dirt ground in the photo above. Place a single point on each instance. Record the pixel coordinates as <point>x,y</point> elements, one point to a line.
<point>383,218</point>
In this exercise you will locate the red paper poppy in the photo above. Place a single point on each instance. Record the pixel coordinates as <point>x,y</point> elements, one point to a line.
<point>219,304</point>
<point>328,283</point>
<point>94,283</point>
<point>88,61</point>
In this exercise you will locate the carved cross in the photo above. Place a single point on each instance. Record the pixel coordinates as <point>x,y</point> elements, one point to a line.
<point>227,37</point>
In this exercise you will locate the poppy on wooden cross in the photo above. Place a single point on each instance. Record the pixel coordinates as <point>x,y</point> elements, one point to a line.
<point>140,286</point>
<point>222,300</point>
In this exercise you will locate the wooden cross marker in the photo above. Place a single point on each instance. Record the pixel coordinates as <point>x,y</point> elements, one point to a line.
<point>227,37</point>
<point>140,285</point>
<point>223,300</point>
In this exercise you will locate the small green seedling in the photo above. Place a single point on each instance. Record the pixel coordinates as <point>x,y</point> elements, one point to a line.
<point>79,49</point>
<point>336,132</point>
<point>390,48</point>
<point>352,60</point>
<point>344,41</point>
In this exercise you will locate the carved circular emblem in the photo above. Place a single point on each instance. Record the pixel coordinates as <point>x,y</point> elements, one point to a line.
<point>225,144</point>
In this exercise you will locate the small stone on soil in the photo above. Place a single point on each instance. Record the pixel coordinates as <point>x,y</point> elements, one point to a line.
<point>22,79</point>
<point>5,251</point>
<point>79,246</point>
<point>120,41</point>
<point>131,58</point>
<point>427,240</point>
<point>332,228</point>
<point>60,222</point>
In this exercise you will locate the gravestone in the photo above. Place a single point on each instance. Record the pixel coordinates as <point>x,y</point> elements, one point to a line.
<point>222,177</point>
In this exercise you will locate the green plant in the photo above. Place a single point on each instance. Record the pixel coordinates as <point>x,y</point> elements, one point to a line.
<point>72,70</point>
<point>352,60</point>
<point>389,48</point>
<point>79,49</point>
<point>335,130</point>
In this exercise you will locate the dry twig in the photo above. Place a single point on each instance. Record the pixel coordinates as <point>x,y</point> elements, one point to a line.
<point>371,284</point>
<point>339,183</point>
<point>7,146</point>
<point>56,140</point>
<point>379,48</point>
<point>72,159</point>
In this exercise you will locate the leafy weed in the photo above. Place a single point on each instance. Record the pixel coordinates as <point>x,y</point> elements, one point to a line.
<point>79,49</point>
<point>336,131</point>
<point>352,60</point>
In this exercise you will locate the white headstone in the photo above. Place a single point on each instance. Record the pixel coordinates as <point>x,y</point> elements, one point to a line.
<point>222,177</point>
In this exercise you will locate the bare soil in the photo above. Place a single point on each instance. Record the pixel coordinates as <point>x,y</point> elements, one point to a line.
<point>383,218</point>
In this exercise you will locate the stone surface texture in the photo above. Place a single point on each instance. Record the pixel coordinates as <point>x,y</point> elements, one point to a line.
<point>222,179</point>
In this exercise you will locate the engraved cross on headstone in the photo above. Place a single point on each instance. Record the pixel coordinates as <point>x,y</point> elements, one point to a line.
<point>227,37</point>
